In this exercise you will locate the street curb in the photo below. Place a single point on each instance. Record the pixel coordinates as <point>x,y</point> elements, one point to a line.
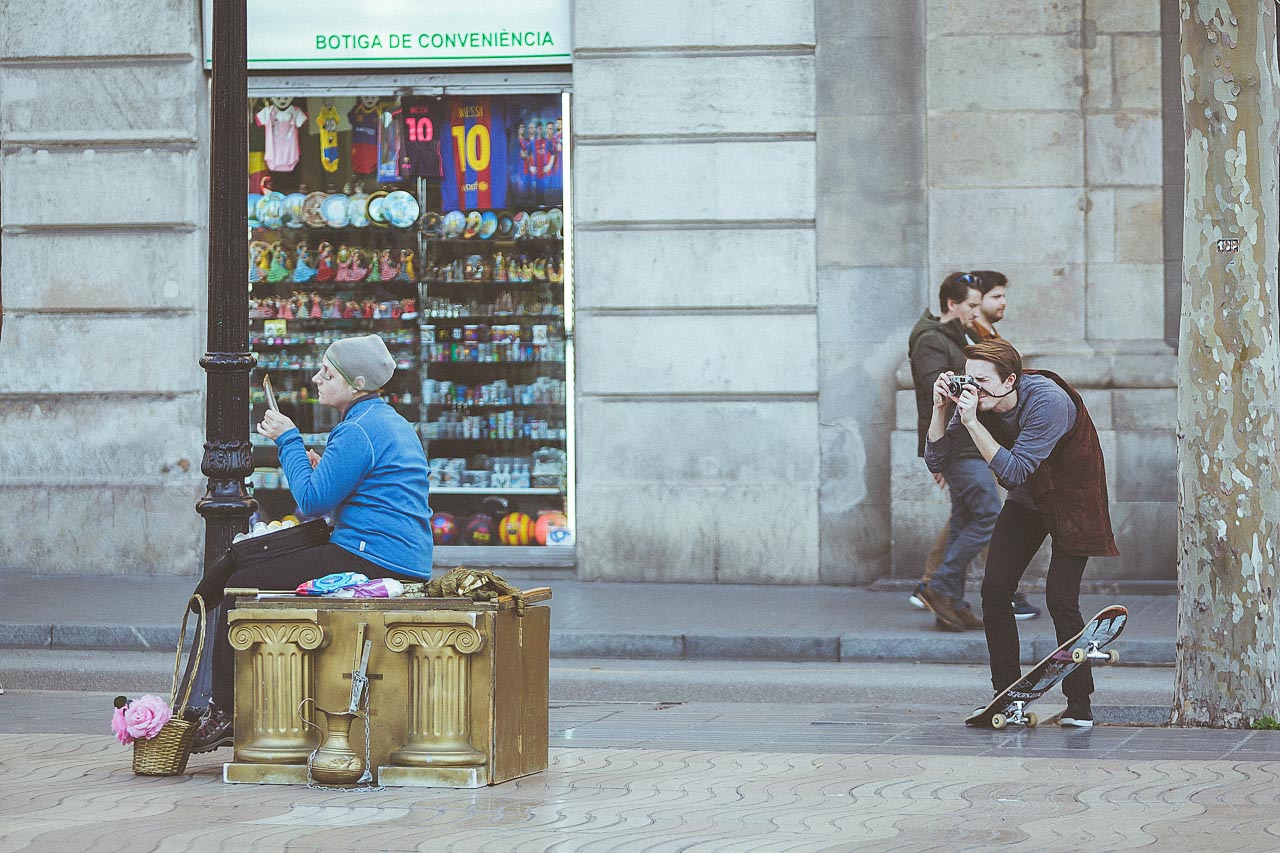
<point>927,648</point>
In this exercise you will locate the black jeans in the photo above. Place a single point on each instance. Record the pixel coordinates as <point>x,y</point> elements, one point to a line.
<point>283,573</point>
<point>1018,535</point>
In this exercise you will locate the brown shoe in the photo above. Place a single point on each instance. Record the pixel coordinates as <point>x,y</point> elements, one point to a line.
<point>942,608</point>
<point>970,620</point>
<point>943,625</point>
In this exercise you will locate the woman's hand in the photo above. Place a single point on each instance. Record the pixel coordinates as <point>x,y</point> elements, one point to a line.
<point>274,425</point>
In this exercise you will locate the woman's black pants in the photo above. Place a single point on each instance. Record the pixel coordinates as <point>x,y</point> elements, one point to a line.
<point>1018,534</point>
<point>285,572</point>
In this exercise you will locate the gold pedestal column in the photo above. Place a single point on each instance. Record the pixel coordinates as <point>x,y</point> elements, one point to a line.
<point>271,681</point>
<point>439,694</point>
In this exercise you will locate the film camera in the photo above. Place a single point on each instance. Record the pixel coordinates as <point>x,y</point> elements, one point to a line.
<point>955,385</point>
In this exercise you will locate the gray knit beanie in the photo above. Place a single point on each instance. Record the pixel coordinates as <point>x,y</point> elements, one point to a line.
<point>364,362</point>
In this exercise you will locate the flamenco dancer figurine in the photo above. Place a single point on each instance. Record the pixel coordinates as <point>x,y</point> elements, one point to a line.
<point>325,267</point>
<point>279,269</point>
<point>359,272</point>
<point>303,271</point>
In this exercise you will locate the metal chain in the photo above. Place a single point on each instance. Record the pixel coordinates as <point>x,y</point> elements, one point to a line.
<point>367,775</point>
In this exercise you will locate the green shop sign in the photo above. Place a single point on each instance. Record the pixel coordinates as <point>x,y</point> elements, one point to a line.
<point>401,33</point>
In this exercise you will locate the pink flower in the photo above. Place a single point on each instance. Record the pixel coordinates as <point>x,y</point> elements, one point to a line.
<point>144,717</point>
<point>118,727</point>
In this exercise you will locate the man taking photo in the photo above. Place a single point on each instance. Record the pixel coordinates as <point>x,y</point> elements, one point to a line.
<point>1033,430</point>
<point>993,285</point>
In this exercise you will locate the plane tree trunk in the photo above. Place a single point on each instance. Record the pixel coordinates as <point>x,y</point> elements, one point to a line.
<point>1228,659</point>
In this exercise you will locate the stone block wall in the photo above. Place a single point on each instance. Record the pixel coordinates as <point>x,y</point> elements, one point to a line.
<point>696,300</point>
<point>103,205</point>
<point>1046,161</point>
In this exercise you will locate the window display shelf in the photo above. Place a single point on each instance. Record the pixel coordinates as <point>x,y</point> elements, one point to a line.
<point>518,439</point>
<point>503,556</point>
<point>532,318</point>
<point>492,407</point>
<point>430,363</point>
<point>474,281</point>
<point>463,490</point>
<point>351,152</point>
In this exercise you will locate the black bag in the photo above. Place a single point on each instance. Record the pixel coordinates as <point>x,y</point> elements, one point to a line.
<point>259,549</point>
<point>309,534</point>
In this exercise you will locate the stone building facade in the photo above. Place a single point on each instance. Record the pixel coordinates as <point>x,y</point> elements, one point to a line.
<point>767,193</point>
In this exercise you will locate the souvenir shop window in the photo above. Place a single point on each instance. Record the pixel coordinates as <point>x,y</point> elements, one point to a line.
<point>437,223</point>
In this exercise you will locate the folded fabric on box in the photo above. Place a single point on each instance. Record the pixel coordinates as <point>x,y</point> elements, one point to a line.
<point>332,583</point>
<point>376,588</point>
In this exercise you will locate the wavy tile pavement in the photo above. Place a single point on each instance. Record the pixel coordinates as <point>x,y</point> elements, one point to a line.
<point>76,792</point>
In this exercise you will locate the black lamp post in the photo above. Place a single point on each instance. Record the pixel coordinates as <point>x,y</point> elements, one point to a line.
<point>228,456</point>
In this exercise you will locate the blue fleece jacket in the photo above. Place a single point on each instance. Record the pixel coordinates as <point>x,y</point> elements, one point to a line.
<point>372,481</point>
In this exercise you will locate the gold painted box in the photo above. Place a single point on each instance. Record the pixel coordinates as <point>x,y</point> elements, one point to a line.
<point>457,688</point>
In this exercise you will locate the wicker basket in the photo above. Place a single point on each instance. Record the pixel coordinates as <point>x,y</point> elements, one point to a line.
<point>166,754</point>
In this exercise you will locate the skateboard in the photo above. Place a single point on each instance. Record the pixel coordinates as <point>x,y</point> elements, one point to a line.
<point>1009,706</point>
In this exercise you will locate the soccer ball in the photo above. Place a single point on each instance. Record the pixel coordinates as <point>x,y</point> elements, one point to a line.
<point>547,520</point>
<point>516,529</point>
<point>481,530</point>
<point>444,529</point>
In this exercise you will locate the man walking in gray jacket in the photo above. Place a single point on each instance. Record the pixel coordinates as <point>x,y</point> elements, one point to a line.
<point>936,346</point>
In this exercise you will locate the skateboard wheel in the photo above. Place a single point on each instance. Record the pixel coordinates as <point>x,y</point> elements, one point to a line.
<point>1032,721</point>
<point>1078,655</point>
<point>1113,656</point>
<point>999,721</point>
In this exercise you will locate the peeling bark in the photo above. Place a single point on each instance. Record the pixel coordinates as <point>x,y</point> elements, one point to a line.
<point>1228,658</point>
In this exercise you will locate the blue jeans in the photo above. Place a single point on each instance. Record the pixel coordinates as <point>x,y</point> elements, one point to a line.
<point>975,505</point>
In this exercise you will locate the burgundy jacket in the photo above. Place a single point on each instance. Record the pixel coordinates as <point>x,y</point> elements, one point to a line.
<point>1070,486</point>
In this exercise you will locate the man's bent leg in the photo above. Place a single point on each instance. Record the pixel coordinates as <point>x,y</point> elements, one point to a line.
<point>937,552</point>
<point>975,506</point>
<point>1018,534</point>
<point>1062,594</point>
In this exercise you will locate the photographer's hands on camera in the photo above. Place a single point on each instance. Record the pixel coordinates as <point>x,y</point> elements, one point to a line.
<point>967,401</point>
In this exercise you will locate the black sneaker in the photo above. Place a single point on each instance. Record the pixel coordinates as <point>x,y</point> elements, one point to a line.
<point>1077,717</point>
<point>214,731</point>
<point>1023,609</point>
<point>915,599</point>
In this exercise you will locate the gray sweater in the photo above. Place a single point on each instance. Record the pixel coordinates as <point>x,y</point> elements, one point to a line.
<point>1042,415</point>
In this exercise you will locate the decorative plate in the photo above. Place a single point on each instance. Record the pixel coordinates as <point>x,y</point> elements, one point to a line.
<point>401,209</point>
<point>311,210</point>
<point>358,210</point>
<point>555,219</point>
<point>506,226</point>
<point>488,224</point>
<point>271,210</point>
<point>473,225</point>
<point>454,222</point>
<point>374,207</point>
<point>521,220</point>
<point>538,224</point>
<point>432,225</point>
<point>334,210</point>
<point>292,212</point>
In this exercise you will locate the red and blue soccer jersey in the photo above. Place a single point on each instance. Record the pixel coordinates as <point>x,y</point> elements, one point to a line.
<point>475,156</point>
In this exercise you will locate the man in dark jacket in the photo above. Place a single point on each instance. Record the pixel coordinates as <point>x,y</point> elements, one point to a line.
<point>936,346</point>
<point>1034,431</point>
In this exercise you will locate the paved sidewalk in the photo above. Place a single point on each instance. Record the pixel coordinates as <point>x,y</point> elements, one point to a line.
<point>658,778</point>
<point>649,621</point>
